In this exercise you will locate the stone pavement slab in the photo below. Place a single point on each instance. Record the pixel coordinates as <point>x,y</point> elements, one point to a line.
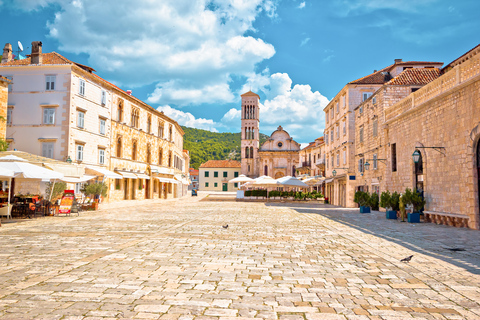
<point>173,260</point>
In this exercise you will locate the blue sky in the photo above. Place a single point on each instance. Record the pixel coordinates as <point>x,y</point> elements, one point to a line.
<point>193,59</point>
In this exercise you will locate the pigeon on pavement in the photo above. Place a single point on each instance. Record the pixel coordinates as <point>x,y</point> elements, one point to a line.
<point>225,226</point>
<point>407,259</point>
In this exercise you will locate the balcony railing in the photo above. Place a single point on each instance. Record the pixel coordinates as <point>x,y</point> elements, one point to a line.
<point>320,162</point>
<point>306,164</point>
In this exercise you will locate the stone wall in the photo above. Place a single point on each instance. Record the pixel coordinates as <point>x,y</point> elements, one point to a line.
<point>445,113</point>
<point>3,108</point>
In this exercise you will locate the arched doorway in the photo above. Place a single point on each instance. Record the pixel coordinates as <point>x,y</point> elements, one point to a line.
<point>294,171</point>
<point>478,171</point>
<point>419,175</point>
<point>265,171</point>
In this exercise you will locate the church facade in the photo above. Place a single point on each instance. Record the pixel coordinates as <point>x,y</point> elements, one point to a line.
<point>277,157</point>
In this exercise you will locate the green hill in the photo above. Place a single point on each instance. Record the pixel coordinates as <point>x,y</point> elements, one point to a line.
<point>206,145</point>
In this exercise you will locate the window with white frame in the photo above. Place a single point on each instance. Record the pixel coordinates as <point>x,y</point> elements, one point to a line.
<point>331,113</point>
<point>333,159</point>
<point>343,101</point>
<point>344,125</point>
<point>360,110</point>
<point>9,116</point>
<point>79,152</point>
<point>101,156</point>
<point>344,156</point>
<point>103,99</point>
<point>331,136</point>
<point>374,100</point>
<point>47,149</point>
<point>326,138</point>
<point>338,159</point>
<point>366,95</point>
<point>338,107</point>
<point>361,134</point>
<point>81,87</point>
<point>375,127</point>
<point>360,165</point>
<point>78,188</point>
<point>50,83</point>
<point>338,132</point>
<point>374,161</point>
<point>80,119</point>
<point>48,115</point>
<point>102,126</point>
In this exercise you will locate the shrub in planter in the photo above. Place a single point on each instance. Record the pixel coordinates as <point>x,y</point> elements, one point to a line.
<point>395,204</point>
<point>363,199</point>
<point>416,200</point>
<point>389,201</point>
<point>248,193</point>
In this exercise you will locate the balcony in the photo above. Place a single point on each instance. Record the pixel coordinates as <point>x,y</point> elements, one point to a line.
<point>320,163</point>
<point>306,164</point>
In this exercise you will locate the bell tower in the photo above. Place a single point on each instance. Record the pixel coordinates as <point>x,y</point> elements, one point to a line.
<point>250,134</point>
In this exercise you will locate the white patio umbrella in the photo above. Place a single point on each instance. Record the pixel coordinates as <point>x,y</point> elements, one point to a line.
<point>265,181</point>
<point>289,181</point>
<point>30,171</point>
<point>240,179</point>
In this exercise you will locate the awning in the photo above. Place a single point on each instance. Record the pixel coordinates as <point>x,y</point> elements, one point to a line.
<point>78,180</point>
<point>328,180</point>
<point>142,176</point>
<point>161,170</point>
<point>166,180</point>
<point>105,172</point>
<point>127,174</point>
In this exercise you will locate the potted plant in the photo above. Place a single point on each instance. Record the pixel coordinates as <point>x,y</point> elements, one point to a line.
<point>363,200</point>
<point>386,202</point>
<point>418,203</point>
<point>96,190</point>
<point>374,201</point>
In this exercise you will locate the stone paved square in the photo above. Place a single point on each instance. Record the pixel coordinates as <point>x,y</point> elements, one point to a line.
<point>173,260</point>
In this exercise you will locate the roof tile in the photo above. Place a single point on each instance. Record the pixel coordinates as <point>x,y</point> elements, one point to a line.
<point>221,164</point>
<point>415,76</point>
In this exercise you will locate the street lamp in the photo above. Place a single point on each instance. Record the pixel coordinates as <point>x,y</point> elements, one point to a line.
<point>334,173</point>
<point>416,156</point>
<point>366,165</point>
<point>69,160</point>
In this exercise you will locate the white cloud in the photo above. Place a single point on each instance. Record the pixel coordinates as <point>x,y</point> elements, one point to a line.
<point>297,108</point>
<point>188,119</point>
<point>366,6</point>
<point>184,45</point>
<point>304,42</point>
<point>301,5</point>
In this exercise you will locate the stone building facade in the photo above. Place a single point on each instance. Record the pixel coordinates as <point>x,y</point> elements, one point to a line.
<point>62,110</point>
<point>370,140</point>
<point>311,159</point>
<point>4,85</point>
<point>215,174</point>
<point>277,157</point>
<point>340,130</point>
<point>442,121</point>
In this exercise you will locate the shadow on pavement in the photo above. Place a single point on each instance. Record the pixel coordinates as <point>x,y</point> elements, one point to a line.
<point>426,238</point>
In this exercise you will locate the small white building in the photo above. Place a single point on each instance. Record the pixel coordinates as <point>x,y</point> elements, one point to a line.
<point>215,174</point>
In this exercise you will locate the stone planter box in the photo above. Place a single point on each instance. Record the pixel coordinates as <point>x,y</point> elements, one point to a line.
<point>391,214</point>
<point>364,209</point>
<point>414,217</point>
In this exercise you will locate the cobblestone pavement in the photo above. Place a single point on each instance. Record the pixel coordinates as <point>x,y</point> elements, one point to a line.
<point>173,260</point>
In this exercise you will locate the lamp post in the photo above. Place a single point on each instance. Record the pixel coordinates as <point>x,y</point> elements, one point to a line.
<point>366,165</point>
<point>69,160</point>
<point>334,172</point>
<point>416,156</point>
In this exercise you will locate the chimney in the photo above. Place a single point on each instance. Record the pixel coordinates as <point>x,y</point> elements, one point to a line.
<point>36,56</point>
<point>374,71</point>
<point>398,60</point>
<point>7,53</point>
<point>129,92</point>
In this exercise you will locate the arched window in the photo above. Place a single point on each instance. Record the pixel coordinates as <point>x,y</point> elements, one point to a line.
<point>294,171</point>
<point>119,147</point>
<point>160,156</point>
<point>251,152</point>
<point>246,134</point>
<point>170,159</point>
<point>134,150</point>
<point>149,124</point>
<point>160,129</point>
<point>135,116</point>
<point>148,153</point>
<point>253,133</point>
<point>247,152</point>
<point>120,111</point>
<point>265,171</point>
